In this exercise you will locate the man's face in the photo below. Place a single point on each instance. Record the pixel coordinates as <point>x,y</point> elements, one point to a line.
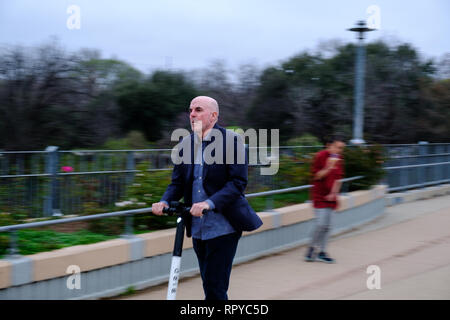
<point>337,147</point>
<point>201,116</point>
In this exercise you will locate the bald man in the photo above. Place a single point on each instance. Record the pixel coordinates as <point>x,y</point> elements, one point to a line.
<point>216,187</point>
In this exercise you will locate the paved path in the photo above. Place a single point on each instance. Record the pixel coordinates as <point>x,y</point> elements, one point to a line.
<point>410,244</point>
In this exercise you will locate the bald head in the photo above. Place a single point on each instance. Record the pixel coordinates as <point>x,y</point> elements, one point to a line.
<point>206,102</point>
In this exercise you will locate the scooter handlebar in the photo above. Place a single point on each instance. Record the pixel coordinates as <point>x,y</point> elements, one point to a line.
<point>169,211</point>
<point>173,210</point>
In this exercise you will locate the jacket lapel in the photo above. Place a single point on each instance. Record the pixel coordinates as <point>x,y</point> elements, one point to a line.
<point>190,167</point>
<point>205,166</point>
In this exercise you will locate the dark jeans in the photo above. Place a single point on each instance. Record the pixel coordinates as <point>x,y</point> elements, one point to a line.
<point>215,258</point>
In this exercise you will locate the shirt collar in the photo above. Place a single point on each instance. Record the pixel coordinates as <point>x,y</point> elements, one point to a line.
<point>208,136</point>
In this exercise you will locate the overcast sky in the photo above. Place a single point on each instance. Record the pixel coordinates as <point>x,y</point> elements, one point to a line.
<point>189,34</point>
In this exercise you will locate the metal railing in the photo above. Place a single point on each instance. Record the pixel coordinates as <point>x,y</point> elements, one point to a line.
<point>417,176</point>
<point>416,165</point>
<point>33,181</point>
<point>12,229</point>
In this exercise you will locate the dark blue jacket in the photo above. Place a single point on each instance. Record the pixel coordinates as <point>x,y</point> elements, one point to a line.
<point>223,183</point>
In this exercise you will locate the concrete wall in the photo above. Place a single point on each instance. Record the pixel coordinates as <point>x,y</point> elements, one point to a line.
<point>417,194</point>
<point>110,267</point>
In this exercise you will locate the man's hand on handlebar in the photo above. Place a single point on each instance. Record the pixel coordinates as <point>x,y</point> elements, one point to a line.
<point>157,208</point>
<point>197,208</point>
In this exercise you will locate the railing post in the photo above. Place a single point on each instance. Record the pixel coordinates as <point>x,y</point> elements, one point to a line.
<point>131,165</point>
<point>3,163</point>
<point>128,226</point>
<point>269,203</point>
<point>403,171</point>
<point>388,176</point>
<point>422,170</point>
<point>51,205</point>
<point>344,188</point>
<point>440,168</point>
<point>269,199</point>
<point>447,175</point>
<point>13,251</point>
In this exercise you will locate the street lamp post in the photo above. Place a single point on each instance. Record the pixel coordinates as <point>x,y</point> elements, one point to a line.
<point>358,114</point>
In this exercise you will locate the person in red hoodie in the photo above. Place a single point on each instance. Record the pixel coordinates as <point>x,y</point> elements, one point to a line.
<point>327,169</point>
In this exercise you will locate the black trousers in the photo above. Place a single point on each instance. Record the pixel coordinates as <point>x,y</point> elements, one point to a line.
<point>215,258</point>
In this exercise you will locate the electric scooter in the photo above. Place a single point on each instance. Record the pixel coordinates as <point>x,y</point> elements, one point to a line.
<point>179,210</point>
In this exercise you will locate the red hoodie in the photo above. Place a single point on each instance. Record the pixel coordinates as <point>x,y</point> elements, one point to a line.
<point>322,187</point>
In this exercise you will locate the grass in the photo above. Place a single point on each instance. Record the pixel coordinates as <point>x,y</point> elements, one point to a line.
<point>279,200</point>
<point>129,291</point>
<point>34,241</point>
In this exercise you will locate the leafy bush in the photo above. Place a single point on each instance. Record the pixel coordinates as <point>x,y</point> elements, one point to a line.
<point>364,161</point>
<point>112,226</point>
<point>304,140</point>
<point>12,195</point>
<point>295,163</point>
<point>4,244</point>
<point>133,140</point>
<point>7,219</point>
<point>148,187</point>
<point>293,171</point>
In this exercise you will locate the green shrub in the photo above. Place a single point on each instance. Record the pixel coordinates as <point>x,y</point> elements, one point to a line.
<point>304,140</point>
<point>4,244</point>
<point>7,219</point>
<point>133,140</point>
<point>148,187</point>
<point>112,226</point>
<point>294,167</point>
<point>364,161</point>
<point>293,171</point>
